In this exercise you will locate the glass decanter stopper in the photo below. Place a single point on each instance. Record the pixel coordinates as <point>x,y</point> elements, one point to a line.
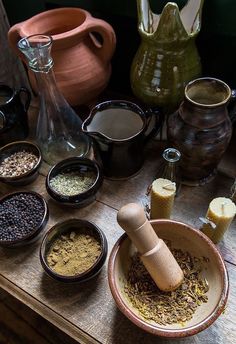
<point>169,168</point>
<point>58,130</point>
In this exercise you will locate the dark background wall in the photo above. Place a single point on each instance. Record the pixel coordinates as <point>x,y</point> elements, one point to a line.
<point>216,41</point>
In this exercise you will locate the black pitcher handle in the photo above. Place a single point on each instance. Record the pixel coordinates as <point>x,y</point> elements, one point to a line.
<point>232,106</point>
<point>27,100</point>
<point>2,122</point>
<point>158,121</point>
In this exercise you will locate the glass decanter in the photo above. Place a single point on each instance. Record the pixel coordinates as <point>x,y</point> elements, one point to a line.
<point>169,168</point>
<point>58,130</point>
<point>233,192</point>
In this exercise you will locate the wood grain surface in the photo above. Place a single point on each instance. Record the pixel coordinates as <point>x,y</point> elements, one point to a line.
<point>87,312</point>
<point>20,325</point>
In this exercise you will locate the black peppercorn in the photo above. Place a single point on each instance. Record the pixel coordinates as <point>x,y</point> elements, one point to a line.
<point>20,215</point>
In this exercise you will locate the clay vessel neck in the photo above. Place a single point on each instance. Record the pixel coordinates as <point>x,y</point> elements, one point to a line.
<point>205,104</point>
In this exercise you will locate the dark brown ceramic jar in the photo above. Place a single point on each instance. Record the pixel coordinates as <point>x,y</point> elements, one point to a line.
<point>201,129</point>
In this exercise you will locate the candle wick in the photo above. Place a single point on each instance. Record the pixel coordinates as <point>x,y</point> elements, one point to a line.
<point>223,207</point>
<point>169,186</point>
<point>207,221</point>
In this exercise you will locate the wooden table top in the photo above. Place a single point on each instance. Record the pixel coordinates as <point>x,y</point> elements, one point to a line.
<point>87,312</point>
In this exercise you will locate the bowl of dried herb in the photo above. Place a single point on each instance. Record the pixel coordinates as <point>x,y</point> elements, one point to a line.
<point>189,309</point>
<point>74,250</point>
<point>19,163</point>
<point>74,181</point>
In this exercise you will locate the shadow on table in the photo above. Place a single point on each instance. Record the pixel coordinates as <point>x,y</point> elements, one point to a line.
<point>124,332</point>
<point>68,293</point>
<point>19,254</point>
<point>129,333</point>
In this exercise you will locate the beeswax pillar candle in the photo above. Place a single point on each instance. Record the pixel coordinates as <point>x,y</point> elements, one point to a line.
<point>221,212</point>
<point>162,198</point>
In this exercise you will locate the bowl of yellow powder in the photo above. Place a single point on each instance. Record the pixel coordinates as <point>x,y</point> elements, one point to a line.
<point>73,251</point>
<point>74,181</point>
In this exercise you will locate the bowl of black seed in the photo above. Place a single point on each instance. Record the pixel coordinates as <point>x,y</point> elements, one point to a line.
<point>74,181</point>
<point>19,163</point>
<point>23,216</point>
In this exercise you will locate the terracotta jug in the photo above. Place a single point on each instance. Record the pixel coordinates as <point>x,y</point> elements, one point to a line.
<point>201,129</point>
<point>81,62</point>
<point>167,58</point>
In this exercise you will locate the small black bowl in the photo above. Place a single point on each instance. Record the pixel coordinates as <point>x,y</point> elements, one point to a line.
<point>18,146</point>
<point>75,164</point>
<point>22,206</point>
<point>63,228</point>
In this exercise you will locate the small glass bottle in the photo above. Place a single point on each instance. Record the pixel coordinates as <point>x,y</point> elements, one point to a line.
<point>58,130</point>
<point>169,168</point>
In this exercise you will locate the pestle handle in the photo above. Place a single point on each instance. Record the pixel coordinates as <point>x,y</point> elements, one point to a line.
<point>131,216</point>
<point>133,220</point>
<point>155,255</point>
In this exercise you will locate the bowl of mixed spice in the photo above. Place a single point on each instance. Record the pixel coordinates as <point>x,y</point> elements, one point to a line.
<point>189,309</point>
<point>19,163</point>
<point>73,251</point>
<point>74,181</point>
<point>23,216</point>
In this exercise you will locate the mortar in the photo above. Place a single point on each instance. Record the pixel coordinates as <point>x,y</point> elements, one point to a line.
<point>186,238</point>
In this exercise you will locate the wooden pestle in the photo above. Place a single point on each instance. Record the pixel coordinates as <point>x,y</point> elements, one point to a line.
<point>155,255</point>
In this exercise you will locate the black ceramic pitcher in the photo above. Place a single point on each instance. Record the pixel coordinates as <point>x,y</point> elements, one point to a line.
<point>14,105</point>
<point>120,129</point>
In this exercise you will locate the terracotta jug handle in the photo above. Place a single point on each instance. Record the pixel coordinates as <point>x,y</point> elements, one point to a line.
<point>107,47</point>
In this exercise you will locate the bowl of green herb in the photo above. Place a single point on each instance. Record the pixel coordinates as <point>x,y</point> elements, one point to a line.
<point>189,309</point>
<point>74,181</point>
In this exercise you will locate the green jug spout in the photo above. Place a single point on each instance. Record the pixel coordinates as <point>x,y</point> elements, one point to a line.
<point>184,22</point>
<point>167,57</point>
<point>170,27</point>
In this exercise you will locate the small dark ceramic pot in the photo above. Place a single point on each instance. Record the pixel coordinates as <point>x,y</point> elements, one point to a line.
<point>18,146</point>
<point>72,165</point>
<point>62,228</point>
<point>120,129</point>
<point>36,233</point>
<point>13,114</point>
<point>201,129</point>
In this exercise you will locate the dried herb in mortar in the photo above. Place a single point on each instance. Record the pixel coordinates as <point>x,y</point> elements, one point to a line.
<point>167,307</point>
<point>73,253</point>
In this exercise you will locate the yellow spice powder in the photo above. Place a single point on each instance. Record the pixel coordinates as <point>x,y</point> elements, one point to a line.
<point>73,253</point>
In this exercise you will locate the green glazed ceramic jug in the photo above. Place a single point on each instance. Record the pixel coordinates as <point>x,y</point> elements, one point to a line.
<point>167,58</point>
